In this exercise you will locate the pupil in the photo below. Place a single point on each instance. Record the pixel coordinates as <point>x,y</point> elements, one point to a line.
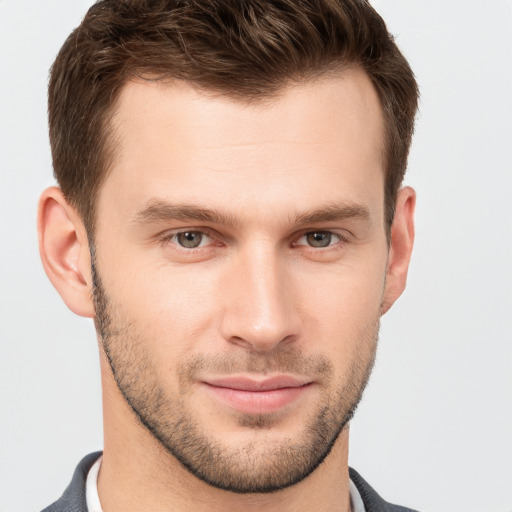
<point>319,239</point>
<point>190,239</point>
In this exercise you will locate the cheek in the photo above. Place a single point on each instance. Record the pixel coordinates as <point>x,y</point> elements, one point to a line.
<point>171,309</point>
<point>342,309</point>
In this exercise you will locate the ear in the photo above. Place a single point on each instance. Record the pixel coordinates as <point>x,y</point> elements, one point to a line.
<point>400,247</point>
<point>64,250</point>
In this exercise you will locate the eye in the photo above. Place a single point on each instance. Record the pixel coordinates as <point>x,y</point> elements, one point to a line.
<point>190,239</point>
<point>319,239</point>
<point>190,245</point>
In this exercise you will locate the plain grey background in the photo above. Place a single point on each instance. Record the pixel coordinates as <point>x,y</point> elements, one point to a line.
<point>434,430</point>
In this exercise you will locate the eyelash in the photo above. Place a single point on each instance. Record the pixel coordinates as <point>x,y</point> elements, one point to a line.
<point>341,239</point>
<point>172,238</point>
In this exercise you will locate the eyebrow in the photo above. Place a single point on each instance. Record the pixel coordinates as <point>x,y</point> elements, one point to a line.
<point>163,211</point>
<point>158,210</point>
<point>334,212</point>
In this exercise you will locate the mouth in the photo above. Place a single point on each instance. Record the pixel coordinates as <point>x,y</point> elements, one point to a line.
<point>253,395</point>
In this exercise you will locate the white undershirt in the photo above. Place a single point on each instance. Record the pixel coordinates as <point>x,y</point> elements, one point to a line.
<point>94,505</point>
<point>91,487</point>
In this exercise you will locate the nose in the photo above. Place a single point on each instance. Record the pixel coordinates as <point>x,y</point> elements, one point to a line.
<point>259,311</point>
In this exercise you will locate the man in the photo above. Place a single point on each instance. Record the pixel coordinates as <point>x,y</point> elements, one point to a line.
<point>230,214</point>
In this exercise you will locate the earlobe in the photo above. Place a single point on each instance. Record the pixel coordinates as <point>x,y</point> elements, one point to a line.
<point>64,251</point>
<point>401,243</point>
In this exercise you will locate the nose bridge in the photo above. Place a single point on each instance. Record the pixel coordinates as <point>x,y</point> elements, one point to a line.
<point>259,311</point>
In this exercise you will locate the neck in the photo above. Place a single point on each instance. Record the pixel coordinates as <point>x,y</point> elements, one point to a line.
<point>138,474</point>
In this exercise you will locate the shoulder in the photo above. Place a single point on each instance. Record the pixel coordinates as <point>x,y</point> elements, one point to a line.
<point>73,499</point>
<point>372,501</point>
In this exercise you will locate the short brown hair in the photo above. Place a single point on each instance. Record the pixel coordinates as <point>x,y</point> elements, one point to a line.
<point>244,49</point>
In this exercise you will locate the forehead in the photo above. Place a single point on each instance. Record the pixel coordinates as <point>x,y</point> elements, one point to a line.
<point>315,141</point>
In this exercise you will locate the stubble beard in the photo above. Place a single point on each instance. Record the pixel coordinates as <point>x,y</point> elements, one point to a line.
<point>253,467</point>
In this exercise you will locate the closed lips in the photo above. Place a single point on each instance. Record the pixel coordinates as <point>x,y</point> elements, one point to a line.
<point>257,396</point>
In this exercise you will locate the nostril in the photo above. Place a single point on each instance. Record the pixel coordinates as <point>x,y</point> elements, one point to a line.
<point>261,342</point>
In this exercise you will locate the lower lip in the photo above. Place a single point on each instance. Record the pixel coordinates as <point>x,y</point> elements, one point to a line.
<point>257,402</point>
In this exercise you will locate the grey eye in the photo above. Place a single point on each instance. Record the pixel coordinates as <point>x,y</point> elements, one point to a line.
<point>319,238</point>
<point>189,239</point>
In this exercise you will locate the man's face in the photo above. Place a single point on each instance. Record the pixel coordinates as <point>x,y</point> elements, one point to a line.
<point>240,262</point>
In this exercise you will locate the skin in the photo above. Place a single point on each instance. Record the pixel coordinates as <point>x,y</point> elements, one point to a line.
<point>253,289</point>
